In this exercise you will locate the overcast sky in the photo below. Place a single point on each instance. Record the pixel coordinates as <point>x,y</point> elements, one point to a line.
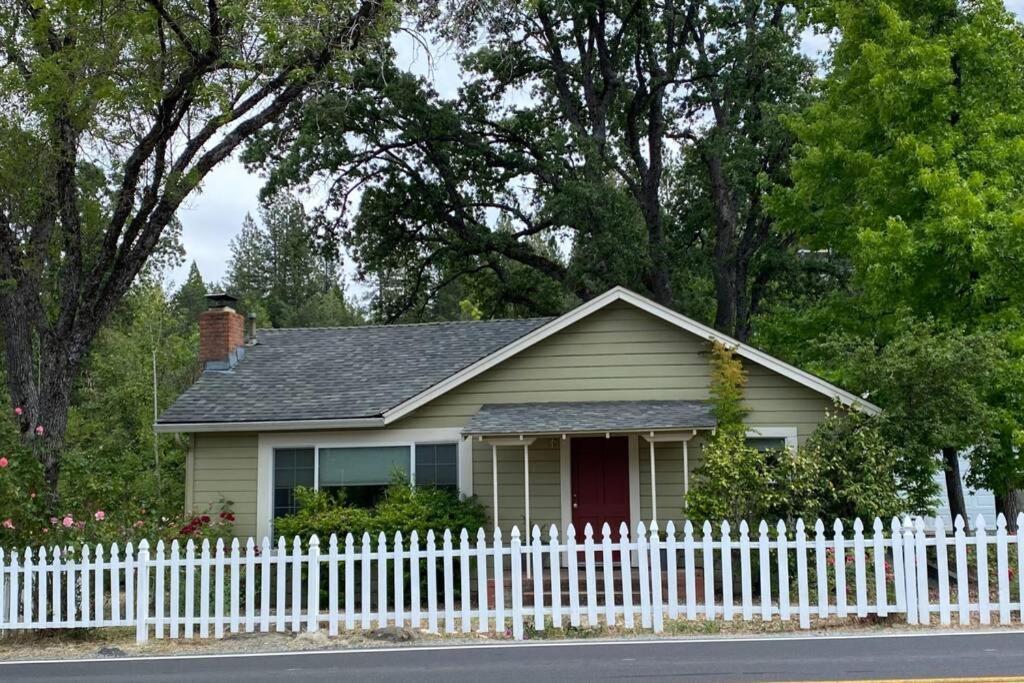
<point>211,218</point>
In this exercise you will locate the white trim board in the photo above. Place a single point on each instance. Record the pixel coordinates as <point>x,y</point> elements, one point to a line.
<point>596,304</point>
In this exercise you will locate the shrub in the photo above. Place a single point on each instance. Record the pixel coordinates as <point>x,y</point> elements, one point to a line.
<point>404,508</point>
<point>845,470</point>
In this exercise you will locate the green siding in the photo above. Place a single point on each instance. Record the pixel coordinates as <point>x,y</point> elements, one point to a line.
<point>224,469</point>
<point>668,471</point>
<point>545,492</point>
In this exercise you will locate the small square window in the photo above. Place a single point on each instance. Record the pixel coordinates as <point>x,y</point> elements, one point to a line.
<point>437,465</point>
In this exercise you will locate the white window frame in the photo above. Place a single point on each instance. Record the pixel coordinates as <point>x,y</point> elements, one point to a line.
<point>268,442</point>
<point>787,433</point>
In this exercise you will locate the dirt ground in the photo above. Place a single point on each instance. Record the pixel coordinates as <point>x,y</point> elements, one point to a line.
<point>120,642</point>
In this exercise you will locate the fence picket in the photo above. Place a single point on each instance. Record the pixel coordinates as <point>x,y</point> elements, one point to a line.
<point>626,576</point>
<point>691,571</point>
<point>657,605</point>
<point>142,595</point>
<point>782,543</point>
<point>981,539</point>
<point>708,556</point>
<point>264,585</point>
<point>449,584</point>
<point>537,562</point>
<point>313,585</point>
<point>726,551</point>
<point>644,575</point>
<point>860,578</point>
<point>881,567</point>
<point>499,583</point>
<point>219,561</point>
<point>803,600</point>
<point>41,574</point>
<point>55,580</point>
<point>910,572</point>
<point>250,585</point>
<point>572,567</point>
<point>398,591</point>
<point>764,563</point>
<point>332,585</point>
<point>415,603</point>
<point>296,584</point>
<point>556,576</point>
<point>12,611</point>
<point>896,539</point>
<point>382,581</point>
<point>365,604</point>
<point>745,578</point>
<point>921,561</point>
<point>671,570</point>
<point>516,571</point>
<point>204,587</point>
<point>942,566</point>
<point>591,578</point>
<point>465,601</point>
<point>609,580</point>
<point>235,563</point>
<point>280,606</point>
<point>1002,570</point>
<point>175,575</point>
<point>190,587</point>
<point>962,585</point>
<point>431,582</point>
<point>482,600</point>
<point>821,568</point>
<point>350,582</point>
<point>839,566</point>
<point>86,578</point>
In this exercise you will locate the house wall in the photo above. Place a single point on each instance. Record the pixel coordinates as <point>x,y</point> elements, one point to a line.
<point>668,476</point>
<point>224,469</point>
<point>618,353</point>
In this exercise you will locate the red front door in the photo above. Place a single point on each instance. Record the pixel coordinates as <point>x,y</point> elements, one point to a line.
<point>600,483</point>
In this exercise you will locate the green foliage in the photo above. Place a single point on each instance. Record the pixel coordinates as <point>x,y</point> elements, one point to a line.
<point>404,508</point>
<point>279,272</point>
<point>845,470</point>
<point>726,387</point>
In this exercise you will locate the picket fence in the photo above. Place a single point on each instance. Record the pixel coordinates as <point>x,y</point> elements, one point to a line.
<point>488,586</point>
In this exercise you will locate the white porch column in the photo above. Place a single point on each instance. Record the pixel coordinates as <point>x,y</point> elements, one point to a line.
<point>526,485</point>
<point>494,482</point>
<point>654,488</point>
<point>686,473</point>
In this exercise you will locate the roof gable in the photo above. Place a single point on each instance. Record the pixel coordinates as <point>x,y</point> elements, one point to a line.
<point>620,294</point>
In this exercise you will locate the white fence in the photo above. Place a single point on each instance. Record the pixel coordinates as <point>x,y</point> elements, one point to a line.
<point>465,584</point>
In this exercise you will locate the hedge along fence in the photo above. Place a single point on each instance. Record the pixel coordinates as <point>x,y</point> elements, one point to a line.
<point>461,583</point>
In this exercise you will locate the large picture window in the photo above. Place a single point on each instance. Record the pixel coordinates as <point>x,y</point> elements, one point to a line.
<point>362,473</point>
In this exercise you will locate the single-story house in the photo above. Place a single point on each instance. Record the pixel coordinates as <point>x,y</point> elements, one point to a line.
<point>594,416</point>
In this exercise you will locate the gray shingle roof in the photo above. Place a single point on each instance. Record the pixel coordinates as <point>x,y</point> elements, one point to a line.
<point>342,372</point>
<point>589,416</point>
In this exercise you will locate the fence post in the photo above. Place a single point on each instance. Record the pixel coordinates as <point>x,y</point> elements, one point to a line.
<point>803,601</point>
<point>727,597</point>
<point>881,565</point>
<point>657,604</point>
<point>860,580</point>
<point>921,553</point>
<point>313,589</point>
<point>962,581</point>
<point>142,593</point>
<point>516,572</point>
<point>984,607</point>
<point>1003,570</point>
<point>909,572</point>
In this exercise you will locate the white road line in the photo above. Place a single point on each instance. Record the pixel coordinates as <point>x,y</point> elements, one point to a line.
<point>525,644</point>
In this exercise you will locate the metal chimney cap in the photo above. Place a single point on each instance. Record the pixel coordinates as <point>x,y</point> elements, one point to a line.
<point>220,300</point>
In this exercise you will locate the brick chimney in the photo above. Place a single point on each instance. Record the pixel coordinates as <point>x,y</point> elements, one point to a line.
<point>221,333</point>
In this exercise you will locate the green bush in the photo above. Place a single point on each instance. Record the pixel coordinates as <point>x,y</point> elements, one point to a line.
<point>845,470</point>
<point>404,508</point>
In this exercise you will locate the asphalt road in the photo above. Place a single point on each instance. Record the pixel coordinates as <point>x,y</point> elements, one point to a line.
<point>958,657</point>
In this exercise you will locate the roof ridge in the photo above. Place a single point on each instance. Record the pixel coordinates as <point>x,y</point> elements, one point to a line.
<point>393,325</point>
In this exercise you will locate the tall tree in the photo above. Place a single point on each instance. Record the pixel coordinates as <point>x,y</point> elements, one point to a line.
<point>910,167</point>
<point>278,270</point>
<point>567,127</point>
<point>190,299</point>
<point>111,114</point>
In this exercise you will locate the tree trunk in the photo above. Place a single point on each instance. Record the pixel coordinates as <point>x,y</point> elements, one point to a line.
<point>726,285</point>
<point>1010,506</point>
<point>954,485</point>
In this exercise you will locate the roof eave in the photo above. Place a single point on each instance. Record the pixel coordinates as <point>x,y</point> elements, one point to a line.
<point>267,425</point>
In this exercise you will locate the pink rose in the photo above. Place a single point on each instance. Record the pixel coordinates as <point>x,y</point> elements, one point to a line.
<point>8,524</point>
<point>138,524</point>
<point>67,521</point>
<point>100,515</point>
<point>18,411</point>
<point>39,430</point>
<point>4,462</point>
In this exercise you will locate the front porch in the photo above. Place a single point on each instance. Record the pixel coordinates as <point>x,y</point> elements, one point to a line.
<point>584,463</point>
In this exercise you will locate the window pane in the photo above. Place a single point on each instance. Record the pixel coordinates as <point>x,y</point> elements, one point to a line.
<point>364,465</point>
<point>292,467</point>
<point>437,465</point>
<point>766,443</point>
